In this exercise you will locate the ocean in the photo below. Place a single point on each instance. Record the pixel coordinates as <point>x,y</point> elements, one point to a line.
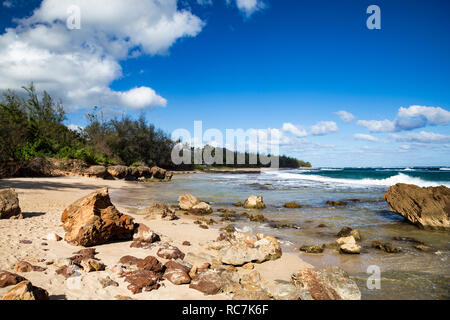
<point>411,274</point>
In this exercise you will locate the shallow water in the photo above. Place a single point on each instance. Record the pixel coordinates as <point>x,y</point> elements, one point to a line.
<point>411,274</point>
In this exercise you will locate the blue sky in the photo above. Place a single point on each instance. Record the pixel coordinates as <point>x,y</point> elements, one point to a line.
<point>284,65</point>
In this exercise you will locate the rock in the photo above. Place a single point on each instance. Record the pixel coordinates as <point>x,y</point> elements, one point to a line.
<point>91,265</point>
<point>208,282</point>
<point>322,225</point>
<point>142,280</point>
<point>140,172</point>
<point>348,245</point>
<point>26,291</point>
<point>178,264</point>
<point>149,263</point>
<point>186,243</point>
<point>177,276</point>
<point>281,225</point>
<point>52,237</point>
<point>186,201</point>
<point>408,239</point>
<point>160,211</point>
<point>238,204</point>
<point>96,171</point>
<point>143,233</point>
<point>336,203</point>
<point>94,220</point>
<point>23,266</point>
<point>327,284</point>
<point>346,231</point>
<point>285,291</point>
<point>84,254</point>
<point>257,218</point>
<point>203,226</point>
<point>425,207</point>
<point>315,248</point>
<point>248,266</point>
<point>254,202</point>
<point>241,249</point>
<point>9,279</point>
<point>66,271</point>
<point>118,172</point>
<point>25,241</point>
<point>422,247</point>
<point>9,204</point>
<point>292,205</point>
<point>385,247</point>
<point>158,173</point>
<point>201,259</point>
<point>170,252</point>
<point>228,228</point>
<point>108,282</point>
<point>120,297</point>
<point>201,208</point>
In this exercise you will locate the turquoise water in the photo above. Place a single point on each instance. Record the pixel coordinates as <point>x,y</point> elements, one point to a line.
<point>411,274</point>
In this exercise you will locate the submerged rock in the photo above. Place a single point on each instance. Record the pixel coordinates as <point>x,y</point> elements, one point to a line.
<point>385,247</point>
<point>94,220</point>
<point>425,207</point>
<point>292,205</point>
<point>9,204</point>
<point>346,231</point>
<point>336,203</point>
<point>315,248</point>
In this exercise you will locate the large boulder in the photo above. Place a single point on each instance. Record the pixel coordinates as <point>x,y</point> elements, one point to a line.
<point>158,173</point>
<point>9,204</point>
<point>96,171</point>
<point>425,207</point>
<point>186,201</point>
<point>140,172</point>
<point>26,291</point>
<point>9,279</point>
<point>94,220</point>
<point>118,172</point>
<point>254,202</point>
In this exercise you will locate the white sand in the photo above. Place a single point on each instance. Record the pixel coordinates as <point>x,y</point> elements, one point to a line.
<point>42,201</point>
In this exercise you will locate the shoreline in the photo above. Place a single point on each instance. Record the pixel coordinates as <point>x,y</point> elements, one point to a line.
<point>42,201</point>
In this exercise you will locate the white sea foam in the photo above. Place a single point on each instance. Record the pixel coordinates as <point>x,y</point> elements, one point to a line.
<point>444,169</point>
<point>358,183</point>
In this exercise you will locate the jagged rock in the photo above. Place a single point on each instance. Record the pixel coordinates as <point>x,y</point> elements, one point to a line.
<point>254,202</point>
<point>9,279</point>
<point>81,255</point>
<point>149,263</point>
<point>257,218</point>
<point>214,281</point>
<point>9,204</point>
<point>338,279</point>
<point>315,248</point>
<point>170,252</point>
<point>292,205</point>
<point>422,247</point>
<point>311,287</point>
<point>91,265</point>
<point>26,291</point>
<point>142,280</point>
<point>118,172</point>
<point>285,291</point>
<point>96,171</point>
<point>240,249</point>
<point>238,204</point>
<point>140,172</point>
<point>346,231</point>
<point>94,220</point>
<point>186,201</point>
<point>425,207</point>
<point>229,228</point>
<point>348,245</point>
<point>158,173</point>
<point>385,247</point>
<point>160,211</point>
<point>143,233</point>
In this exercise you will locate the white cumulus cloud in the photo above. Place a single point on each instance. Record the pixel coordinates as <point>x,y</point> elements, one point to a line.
<point>345,116</point>
<point>323,127</point>
<point>78,66</point>
<point>297,131</point>
<point>422,136</point>
<point>433,115</point>
<point>366,137</point>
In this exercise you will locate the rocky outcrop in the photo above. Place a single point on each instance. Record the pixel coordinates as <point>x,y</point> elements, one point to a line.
<point>238,248</point>
<point>94,220</point>
<point>347,231</point>
<point>327,284</point>
<point>254,202</point>
<point>386,247</point>
<point>315,248</point>
<point>425,207</point>
<point>118,172</point>
<point>9,204</point>
<point>160,211</point>
<point>26,291</point>
<point>348,245</point>
<point>186,201</point>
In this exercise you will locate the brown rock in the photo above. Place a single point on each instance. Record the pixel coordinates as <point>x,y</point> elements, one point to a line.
<point>208,282</point>
<point>425,207</point>
<point>9,279</point>
<point>144,234</point>
<point>346,231</point>
<point>312,249</point>
<point>292,205</point>
<point>160,211</point>
<point>140,280</point>
<point>91,265</point>
<point>336,203</point>
<point>254,202</point>
<point>94,220</point>
<point>177,276</point>
<point>186,201</point>
<point>26,291</point>
<point>386,247</point>
<point>186,243</point>
<point>118,172</point>
<point>108,282</point>
<point>179,264</point>
<point>312,288</point>
<point>96,171</point>
<point>9,204</point>
<point>24,266</point>
<point>158,173</point>
<point>170,252</point>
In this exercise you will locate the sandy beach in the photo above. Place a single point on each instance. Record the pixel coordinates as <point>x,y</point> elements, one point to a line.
<point>42,201</point>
